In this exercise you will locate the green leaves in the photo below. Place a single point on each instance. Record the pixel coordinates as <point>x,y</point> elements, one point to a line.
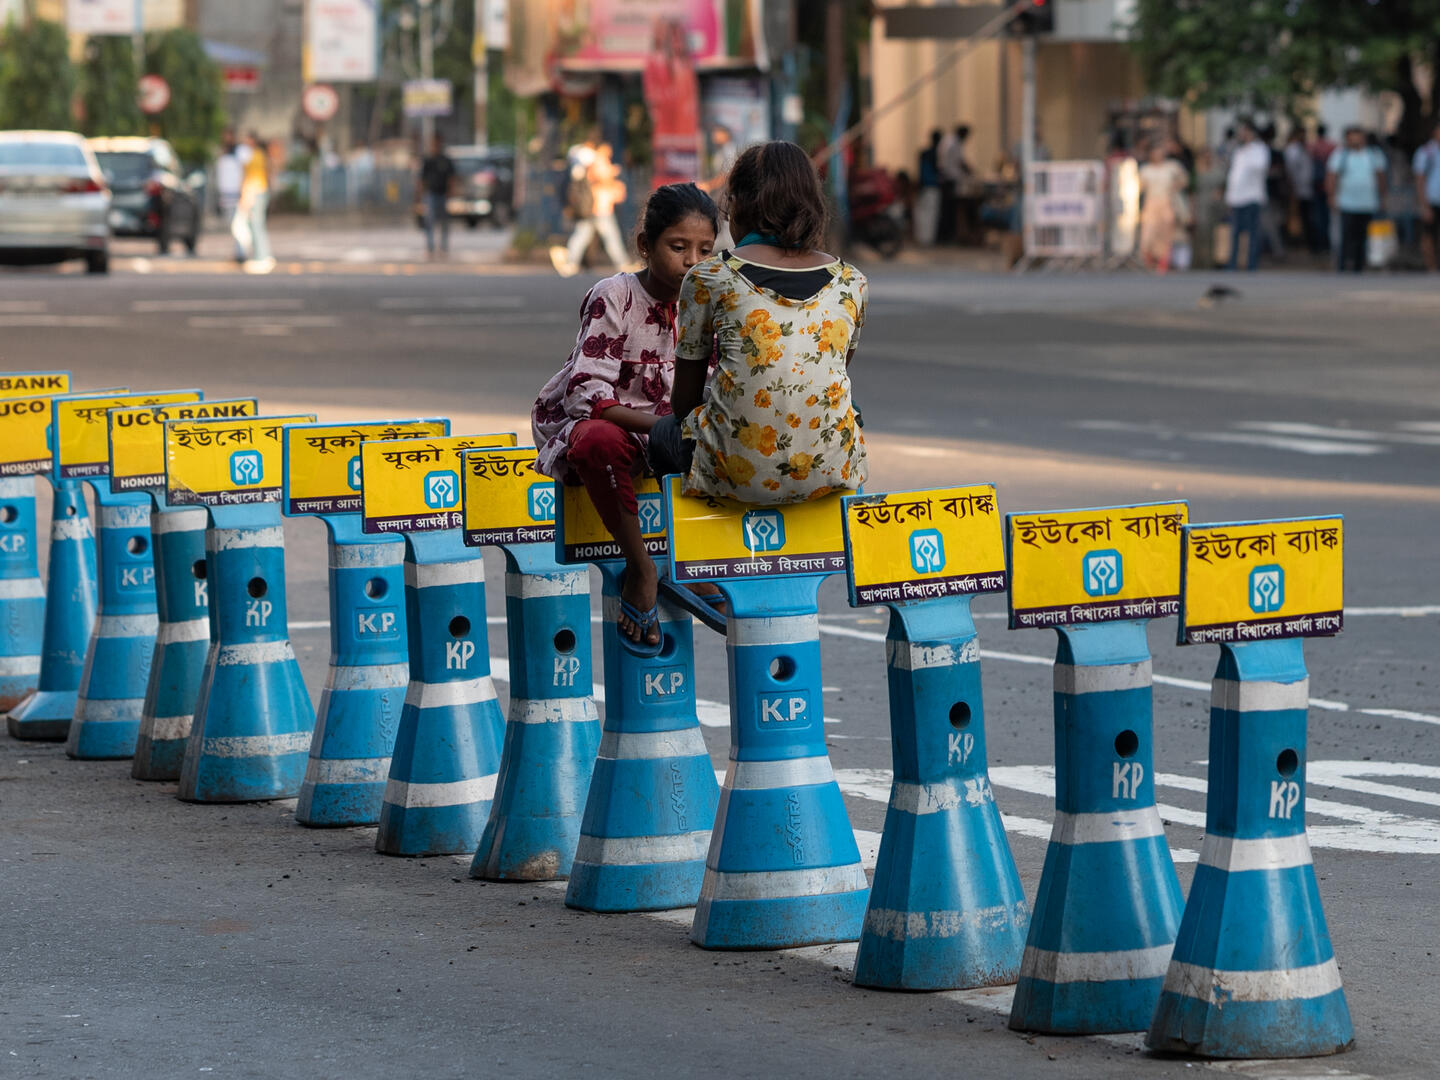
<point>108,88</point>
<point>37,80</point>
<point>195,118</point>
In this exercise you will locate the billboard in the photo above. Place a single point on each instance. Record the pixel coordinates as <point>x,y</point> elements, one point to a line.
<point>343,42</point>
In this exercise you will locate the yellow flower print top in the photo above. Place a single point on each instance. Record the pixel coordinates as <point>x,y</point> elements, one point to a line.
<point>778,425</point>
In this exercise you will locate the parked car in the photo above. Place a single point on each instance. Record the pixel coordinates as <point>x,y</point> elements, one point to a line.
<point>484,186</point>
<point>54,204</point>
<point>151,196</point>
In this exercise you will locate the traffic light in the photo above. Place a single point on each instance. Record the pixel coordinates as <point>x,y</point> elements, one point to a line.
<point>1037,17</point>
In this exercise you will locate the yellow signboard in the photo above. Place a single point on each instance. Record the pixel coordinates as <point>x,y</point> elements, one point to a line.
<point>81,433</point>
<point>1099,565</point>
<point>228,461</point>
<point>25,429</point>
<point>1260,580</point>
<point>322,461</point>
<point>506,500</point>
<point>29,384</point>
<point>719,540</point>
<point>582,536</point>
<point>922,545</point>
<point>137,439</point>
<point>414,485</point>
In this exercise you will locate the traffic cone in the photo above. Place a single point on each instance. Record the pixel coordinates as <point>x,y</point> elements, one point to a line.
<point>1254,974</point>
<point>553,729</point>
<point>447,747</point>
<point>1109,901</point>
<point>70,602</point>
<point>253,716</point>
<point>946,907</point>
<point>365,688</point>
<point>22,596</point>
<point>117,661</point>
<point>652,797</point>
<point>783,868</point>
<point>183,602</point>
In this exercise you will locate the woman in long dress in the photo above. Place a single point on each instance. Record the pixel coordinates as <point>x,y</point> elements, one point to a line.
<point>1162,189</point>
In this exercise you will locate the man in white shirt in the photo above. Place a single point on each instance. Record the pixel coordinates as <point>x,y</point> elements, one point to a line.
<point>1245,194</point>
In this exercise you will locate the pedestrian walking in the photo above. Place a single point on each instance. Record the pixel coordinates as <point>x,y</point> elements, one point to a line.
<point>1300,172</point>
<point>1163,209</point>
<point>435,185</point>
<point>1426,165</point>
<point>1277,198</point>
<point>253,207</point>
<point>927,202</point>
<point>593,419</point>
<point>1321,147</point>
<point>229,178</point>
<point>1355,183</point>
<point>595,191</point>
<point>1245,194</point>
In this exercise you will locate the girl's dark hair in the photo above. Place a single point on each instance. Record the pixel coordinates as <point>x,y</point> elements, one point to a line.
<point>672,204</point>
<point>775,191</point>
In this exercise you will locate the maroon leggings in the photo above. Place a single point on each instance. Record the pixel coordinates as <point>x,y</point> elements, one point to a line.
<point>604,455</point>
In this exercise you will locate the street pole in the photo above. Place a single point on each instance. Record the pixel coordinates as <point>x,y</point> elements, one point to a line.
<point>1027,104</point>
<point>427,69</point>
<point>137,40</point>
<point>480,56</point>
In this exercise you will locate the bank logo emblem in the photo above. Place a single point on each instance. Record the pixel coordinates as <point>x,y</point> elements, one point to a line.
<point>1267,589</point>
<point>764,530</point>
<point>353,478</point>
<point>650,513</point>
<point>1104,573</point>
<point>542,501</point>
<point>442,489</point>
<point>927,551</point>
<point>246,467</point>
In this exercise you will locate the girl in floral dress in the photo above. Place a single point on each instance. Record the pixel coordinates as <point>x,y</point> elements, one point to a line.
<point>593,418</point>
<point>781,319</point>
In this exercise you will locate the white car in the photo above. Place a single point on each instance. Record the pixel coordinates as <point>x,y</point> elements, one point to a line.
<point>54,204</point>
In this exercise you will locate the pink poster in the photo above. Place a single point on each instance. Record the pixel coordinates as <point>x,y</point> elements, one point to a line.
<point>624,30</point>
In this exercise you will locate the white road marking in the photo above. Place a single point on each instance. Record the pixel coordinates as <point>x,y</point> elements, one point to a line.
<point>22,307</point>
<point>246,322</point>
<point>422,303</point>
<point>518,318</point>
<point>217,305</point>
<point>1323,447</point>
<point>1164,680</point>
<point>85,322</point>
<point>1324,432</point>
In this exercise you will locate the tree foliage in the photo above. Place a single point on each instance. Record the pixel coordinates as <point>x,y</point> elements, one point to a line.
<point>37,80</point>
<point>1274,55</point>
<point>195,118</point>
<point>108,88</point>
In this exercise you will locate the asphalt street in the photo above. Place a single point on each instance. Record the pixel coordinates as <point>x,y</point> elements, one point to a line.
<point>148,937</point>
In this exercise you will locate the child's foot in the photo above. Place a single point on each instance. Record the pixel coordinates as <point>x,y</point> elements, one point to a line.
<point>560,259</point>
<point>711,594</point>
<point>641,590</point>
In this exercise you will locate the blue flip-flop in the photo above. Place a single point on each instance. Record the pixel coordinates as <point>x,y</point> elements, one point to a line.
<point>704,608</point>
<point>643,648</point>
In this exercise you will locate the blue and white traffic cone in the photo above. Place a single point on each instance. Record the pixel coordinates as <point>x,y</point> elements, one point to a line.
<point>365,689</point>
<point>253,717</point>
<point>1109,902</point>
<point>70,602</point>
<point>947,910</point>
<point>181,644</point>
<point>651,804</point>
<point>1254,973</point>
<point>22,596</point>
<point>783,868</point>
<point>117,662</point>
<point>447,748</point>
<point>553,729</point>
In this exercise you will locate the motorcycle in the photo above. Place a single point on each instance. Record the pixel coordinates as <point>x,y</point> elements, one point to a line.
<point>873,202</point>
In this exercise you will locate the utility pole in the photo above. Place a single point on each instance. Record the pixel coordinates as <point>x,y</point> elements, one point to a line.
<point>427,69</point>
<point>1027,103</point>
<point>834,58</point>
<point>480,58</point>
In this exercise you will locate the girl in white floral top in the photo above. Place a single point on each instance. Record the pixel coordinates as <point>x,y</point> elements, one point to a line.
<point>781,320</point>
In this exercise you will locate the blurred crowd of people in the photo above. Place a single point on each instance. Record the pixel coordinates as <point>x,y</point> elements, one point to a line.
<point>1362,202</point>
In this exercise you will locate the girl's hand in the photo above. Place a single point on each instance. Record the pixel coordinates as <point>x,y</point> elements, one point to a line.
<point>628,419</point>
